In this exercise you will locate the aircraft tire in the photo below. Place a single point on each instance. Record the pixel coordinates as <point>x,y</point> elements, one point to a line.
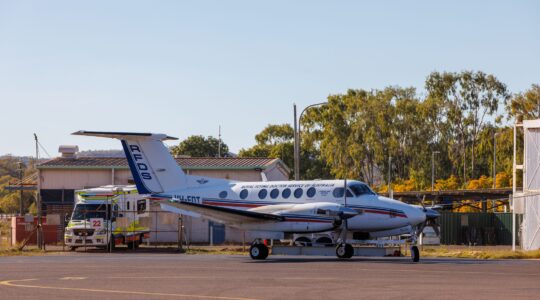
<point>258,251</point>
<point>415,254</point>
<point>344,251</point>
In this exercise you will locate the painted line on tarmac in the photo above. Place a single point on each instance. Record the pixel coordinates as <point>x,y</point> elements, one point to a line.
<point>222,277</point>
<point>12,284</point>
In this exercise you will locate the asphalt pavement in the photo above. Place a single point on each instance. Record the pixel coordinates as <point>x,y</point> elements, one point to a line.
<point>181,276</point>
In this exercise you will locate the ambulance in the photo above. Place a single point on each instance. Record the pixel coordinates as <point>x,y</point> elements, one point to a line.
<point>108,216</point>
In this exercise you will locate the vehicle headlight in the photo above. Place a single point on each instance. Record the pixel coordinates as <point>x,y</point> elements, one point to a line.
<point>68,231</point>
<point>101,231</point>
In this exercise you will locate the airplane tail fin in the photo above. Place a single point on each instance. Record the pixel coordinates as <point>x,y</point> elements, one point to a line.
<point>153,168</point>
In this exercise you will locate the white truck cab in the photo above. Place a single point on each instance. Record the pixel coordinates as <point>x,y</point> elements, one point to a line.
<point>108,216</point>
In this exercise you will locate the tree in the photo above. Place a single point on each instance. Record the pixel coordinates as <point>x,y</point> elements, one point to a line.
<point>199,146</point>
<point>10,204</point>
<point>526,105</point>
<point>275,141</point>
<point>469,99</point>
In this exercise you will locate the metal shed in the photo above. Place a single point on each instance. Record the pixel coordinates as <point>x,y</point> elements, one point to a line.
<point>528,201</point>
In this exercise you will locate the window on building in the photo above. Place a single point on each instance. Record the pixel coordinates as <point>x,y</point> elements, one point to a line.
<point>274,193</point>
<point>263,193</point>
<point>223,194</point>
<point>286,193</point>
<point>141,206</point>
<point>298,192</point>
<point>311,192</point>
<point>243,194</point>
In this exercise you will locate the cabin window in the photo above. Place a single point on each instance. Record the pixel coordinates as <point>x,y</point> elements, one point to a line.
<point>274,193</point>
<point>243,194</point>
<point>298,192</point>
<point>223,195</point>
<point>338,192</point>
<point>311,192</point>
<point>263,193</point>
<point>286,193</point>
<point>127,205</point>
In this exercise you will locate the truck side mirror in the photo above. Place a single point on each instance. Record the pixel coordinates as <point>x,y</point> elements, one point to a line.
<point>67,218</point>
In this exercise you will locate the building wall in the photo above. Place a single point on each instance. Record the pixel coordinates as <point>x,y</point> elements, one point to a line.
<point>240,175</point>
<point>74,179</point>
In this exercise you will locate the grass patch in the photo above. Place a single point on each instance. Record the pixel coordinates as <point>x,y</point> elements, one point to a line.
<point>16,252</point>
<point>480,254</point>
<point>216,250</point>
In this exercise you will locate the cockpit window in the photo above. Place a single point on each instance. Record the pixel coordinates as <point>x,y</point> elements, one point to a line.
<point>360,189</point>
<point>339,191</point>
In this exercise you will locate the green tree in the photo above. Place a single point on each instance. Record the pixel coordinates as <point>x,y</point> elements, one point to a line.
<point>470,102</point>
<point>9,204</point>
<point>526,105</point>
<point>276,141</point>
<point>199,146</point>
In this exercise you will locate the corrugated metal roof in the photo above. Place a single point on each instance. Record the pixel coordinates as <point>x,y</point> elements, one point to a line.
<point>185,162</point>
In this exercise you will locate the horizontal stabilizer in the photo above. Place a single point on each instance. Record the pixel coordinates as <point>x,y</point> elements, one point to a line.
<point>125,135</point>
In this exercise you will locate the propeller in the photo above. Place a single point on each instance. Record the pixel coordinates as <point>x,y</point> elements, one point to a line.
<point>431,217</point>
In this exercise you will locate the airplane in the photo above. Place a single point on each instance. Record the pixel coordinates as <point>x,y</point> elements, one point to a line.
<point>347,207</point>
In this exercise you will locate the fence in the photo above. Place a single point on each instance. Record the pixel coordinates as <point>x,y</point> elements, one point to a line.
<point>477,228</point>
<point>133,228</point>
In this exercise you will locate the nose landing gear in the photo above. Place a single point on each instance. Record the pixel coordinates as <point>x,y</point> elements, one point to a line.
<point>415,253</point>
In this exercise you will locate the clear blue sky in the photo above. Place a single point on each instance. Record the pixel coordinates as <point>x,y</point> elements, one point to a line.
<point>184,68</point>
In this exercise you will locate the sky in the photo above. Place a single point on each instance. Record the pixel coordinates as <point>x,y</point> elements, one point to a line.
<point>186,67</point>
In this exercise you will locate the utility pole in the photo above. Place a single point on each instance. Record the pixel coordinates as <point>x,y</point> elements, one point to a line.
<point>219,144</point>
<point>389,174</point>
<point>433,169</point>
<point>494,158</point>
<point>21,204</point>
<point>296,146</point>
<point>39,232</point>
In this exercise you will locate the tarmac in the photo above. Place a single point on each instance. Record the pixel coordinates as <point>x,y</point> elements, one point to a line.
<point>181,276</point>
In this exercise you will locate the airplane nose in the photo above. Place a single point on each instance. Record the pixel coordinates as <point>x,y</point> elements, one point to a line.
<point>415,216</point>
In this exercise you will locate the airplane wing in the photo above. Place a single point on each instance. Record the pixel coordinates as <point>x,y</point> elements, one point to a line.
<point>226,215</point>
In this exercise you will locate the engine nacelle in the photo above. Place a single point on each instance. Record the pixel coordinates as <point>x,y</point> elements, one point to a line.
<point>306,217</point>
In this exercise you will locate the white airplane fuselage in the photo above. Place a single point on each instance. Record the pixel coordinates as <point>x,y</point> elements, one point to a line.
<point>296,201</point>
<point>279,206</point>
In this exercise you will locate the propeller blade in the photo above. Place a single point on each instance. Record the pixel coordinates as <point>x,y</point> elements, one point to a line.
<point>436,229</point>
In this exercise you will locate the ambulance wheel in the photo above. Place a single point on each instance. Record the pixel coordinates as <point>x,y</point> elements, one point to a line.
<point>72,248</point>
<point>415,254</point>
<point>258,251</point>
<point>344,251</point>
<point>133,245</point>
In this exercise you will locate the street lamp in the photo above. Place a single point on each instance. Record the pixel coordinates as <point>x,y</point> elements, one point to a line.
<point>433,169</point>
<point>297,126</point>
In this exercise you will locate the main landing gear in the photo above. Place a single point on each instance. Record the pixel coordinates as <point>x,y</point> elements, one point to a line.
<point>344,251</point>
<point>258,250</point>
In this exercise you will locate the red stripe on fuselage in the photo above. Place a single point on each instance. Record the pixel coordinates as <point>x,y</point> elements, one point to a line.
<point>306,220</point>
<point>230,204</point>
<point>384,213</point>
